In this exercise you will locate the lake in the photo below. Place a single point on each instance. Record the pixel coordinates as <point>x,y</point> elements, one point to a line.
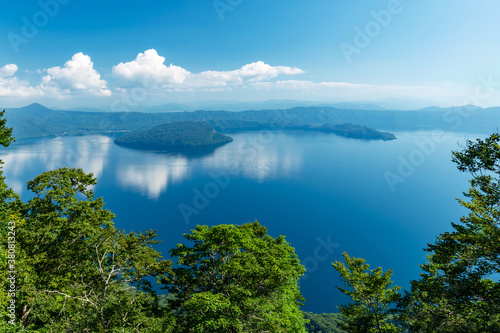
<point>383,201</point>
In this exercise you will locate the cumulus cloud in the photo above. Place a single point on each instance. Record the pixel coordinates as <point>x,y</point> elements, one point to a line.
<point>77,78</point>
<point>78,74</point>
<point>8,70</point>
<point>254,72</point>
<point>149,69</point>
<point>11,86</point>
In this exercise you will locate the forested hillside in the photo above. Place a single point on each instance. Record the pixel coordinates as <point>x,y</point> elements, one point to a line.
<point>36,120</point>
<point>178,135</point>
<point>323,323</point>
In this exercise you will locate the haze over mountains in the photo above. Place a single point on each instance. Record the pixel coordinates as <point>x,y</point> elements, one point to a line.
<point>36,120</point>
<point>214,105</point>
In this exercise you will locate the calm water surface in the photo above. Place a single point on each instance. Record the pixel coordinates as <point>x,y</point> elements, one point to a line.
<point>383,201</point>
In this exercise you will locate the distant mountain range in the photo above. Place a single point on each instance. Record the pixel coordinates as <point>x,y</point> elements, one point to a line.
<point>37,120</point>
<point>243,106</point>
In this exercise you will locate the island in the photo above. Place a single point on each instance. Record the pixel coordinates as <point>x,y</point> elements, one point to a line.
<point>176,136</point>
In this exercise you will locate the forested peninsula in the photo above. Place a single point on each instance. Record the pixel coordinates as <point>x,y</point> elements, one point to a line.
<point>175,136</point>
<point>349,131</point>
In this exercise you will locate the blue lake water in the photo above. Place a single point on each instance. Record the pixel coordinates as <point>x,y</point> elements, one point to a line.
<point>383,201</point>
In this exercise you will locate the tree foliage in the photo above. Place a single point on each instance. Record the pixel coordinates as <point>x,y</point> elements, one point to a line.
<point>236,279</point>
<point>459,290</point>
<point>80,269</point>
<point>373,298</point>
<point>323,323</point>
<point>9,204</point>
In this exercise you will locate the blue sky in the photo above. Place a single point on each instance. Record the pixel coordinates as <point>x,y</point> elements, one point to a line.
<point>108,54</point>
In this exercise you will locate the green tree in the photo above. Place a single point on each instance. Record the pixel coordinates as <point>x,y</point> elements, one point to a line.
<point>79,273</point>
<point>459,289</point>
<point>74,270</point>
<point>373,298</point>
<point>323,323</point>
<point>7,195</point>
<point>9,220</point>
<point>236,279</point>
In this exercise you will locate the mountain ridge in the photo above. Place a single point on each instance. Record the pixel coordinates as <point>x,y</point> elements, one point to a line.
<point>36,120</point>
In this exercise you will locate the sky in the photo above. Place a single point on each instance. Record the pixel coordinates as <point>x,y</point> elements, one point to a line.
<point>123,54</point>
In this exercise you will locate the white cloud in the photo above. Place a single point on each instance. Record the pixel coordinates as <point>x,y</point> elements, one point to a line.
<point>149,70</point>
<point>77,78</point>
<point>254,72</point>
<point>8,70</point>
<point>11,86</point>
<point>78,74</point>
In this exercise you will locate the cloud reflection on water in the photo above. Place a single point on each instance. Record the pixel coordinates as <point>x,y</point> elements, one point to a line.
<point>89,153</point>
<point>256,159</point>
<point>149,173</point>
